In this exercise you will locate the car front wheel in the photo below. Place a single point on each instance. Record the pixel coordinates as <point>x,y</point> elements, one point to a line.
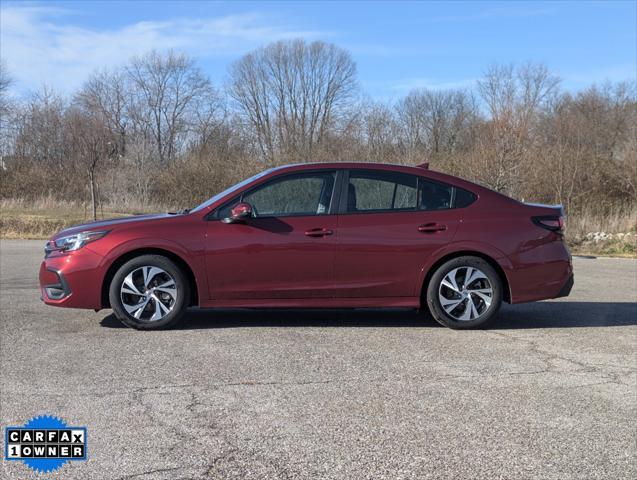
<point>149,292</point>
<point>465,292</point>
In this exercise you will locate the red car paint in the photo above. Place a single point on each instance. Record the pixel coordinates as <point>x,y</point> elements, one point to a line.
<point>334,260</point>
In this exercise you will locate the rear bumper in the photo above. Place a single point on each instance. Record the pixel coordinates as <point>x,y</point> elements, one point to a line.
<point>567,287</point>
<point>540,273</point>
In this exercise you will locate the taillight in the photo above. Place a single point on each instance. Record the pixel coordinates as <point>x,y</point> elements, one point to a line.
<point>554,223</point>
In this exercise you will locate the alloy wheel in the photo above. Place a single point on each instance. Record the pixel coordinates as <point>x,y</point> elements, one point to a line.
<point>465,293</point>
<point>148,293</point>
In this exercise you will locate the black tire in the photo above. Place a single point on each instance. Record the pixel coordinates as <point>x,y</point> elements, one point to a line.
<point>178,305</point>
<point>489,312</point>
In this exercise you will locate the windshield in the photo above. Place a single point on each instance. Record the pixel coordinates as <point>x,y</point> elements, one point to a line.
<point>228,191</point>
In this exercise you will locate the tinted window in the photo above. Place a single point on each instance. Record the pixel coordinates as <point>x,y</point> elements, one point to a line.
<point>379,191</point>
<point>464,198</point>
<point>435,196</point>
<point>227,191</point>
<point>224,210</point>
<point>306,194</point>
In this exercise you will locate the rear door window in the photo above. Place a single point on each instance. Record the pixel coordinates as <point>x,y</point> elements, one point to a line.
<point>375,191</point>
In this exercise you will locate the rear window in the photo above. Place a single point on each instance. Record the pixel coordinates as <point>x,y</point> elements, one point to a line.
<point>464,198</point>
<point>434,195</point>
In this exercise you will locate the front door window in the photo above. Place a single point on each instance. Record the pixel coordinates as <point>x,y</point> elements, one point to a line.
<point>296,195</point>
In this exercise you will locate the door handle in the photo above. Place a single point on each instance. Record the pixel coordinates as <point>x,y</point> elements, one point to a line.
<point>318,232</point>
<point>432,228</point>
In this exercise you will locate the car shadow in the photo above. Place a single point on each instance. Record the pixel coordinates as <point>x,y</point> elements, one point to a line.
<point>550,314</point>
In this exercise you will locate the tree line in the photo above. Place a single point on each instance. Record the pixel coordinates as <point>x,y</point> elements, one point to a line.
<point>156,133</point>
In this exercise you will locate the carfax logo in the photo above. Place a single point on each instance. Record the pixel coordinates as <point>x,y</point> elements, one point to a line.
<point>45,443</point>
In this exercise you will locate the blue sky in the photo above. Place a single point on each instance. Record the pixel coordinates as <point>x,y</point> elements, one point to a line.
<point>397,45</point>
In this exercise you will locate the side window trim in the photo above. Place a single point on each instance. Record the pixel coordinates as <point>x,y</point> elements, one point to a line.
<point>334,199</point>
<point>342,204</point>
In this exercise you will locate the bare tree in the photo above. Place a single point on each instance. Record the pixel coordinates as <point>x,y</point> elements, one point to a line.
<point>5,111</point>
<point>291,93</point>
<point>170,94</point>
<point>107,94</point>
<point>435,122</point>
<point>514,98</point>
<point>380,134</point>
<point>91,145</point>
<point>40,133</point>
<point>5,83</point>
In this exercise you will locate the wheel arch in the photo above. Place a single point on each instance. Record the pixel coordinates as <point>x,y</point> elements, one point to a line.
<point>125,257</point>
<point>465,253</point>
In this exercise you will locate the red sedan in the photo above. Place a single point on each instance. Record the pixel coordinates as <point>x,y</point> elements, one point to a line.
<point>329,235</point>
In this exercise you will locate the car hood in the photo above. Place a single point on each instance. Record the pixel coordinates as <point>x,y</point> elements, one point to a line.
<point>111,223</point>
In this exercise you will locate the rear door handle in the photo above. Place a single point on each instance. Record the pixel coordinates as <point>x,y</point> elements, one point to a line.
<point>432,228</point>
<point>318,232</point>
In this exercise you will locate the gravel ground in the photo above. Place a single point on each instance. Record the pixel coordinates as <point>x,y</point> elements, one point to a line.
<point>549,392</point>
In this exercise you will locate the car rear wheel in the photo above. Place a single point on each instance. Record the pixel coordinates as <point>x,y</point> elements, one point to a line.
<point>465,292</point>
<point>149,292</point>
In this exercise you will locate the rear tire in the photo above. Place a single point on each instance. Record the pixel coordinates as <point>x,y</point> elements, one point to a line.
<point>149,292</point>
<point>464,293</point>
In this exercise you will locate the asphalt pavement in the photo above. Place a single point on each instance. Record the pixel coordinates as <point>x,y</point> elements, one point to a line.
<point>549,392</point>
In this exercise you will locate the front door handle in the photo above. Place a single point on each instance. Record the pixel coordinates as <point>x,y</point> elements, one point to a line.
<point>318,232</point>
<point>432,228</point>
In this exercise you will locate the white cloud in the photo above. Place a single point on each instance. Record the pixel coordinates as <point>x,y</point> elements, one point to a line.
<point>40,45</point>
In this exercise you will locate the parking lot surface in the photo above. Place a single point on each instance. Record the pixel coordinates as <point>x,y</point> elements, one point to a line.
<point>549,392</point>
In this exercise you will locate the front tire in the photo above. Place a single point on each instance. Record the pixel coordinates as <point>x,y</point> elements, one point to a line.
<point>465,292</point>
<point>149,292</point>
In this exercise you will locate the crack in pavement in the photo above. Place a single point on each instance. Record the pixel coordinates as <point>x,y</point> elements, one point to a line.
<point>150,472</point>
<point>550,367</point>
<point>546,358</point>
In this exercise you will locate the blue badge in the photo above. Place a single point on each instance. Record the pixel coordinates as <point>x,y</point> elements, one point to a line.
<point>45,443</point>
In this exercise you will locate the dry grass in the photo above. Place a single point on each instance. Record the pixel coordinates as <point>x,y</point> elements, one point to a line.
<point>619,226</point>
<point>615,221</point>
<point>42,218</point>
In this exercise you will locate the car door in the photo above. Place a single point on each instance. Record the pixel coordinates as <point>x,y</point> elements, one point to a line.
<point>286,250</point>
<point>389,224</point>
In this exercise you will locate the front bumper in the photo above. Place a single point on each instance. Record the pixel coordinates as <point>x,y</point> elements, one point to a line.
<point>72,280</point>
<point>58,288</point>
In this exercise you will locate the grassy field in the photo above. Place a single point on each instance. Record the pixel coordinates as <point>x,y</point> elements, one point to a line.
<point>43,219</point>
<point>42,224</point>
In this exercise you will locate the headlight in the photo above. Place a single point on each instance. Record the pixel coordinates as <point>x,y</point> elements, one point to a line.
<point>77,241</point>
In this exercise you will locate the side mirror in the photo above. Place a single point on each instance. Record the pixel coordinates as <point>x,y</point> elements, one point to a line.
<point>239,213</point>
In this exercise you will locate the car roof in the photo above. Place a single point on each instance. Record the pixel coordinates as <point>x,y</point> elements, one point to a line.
<point>348,165</point>
<point>420,170</point>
